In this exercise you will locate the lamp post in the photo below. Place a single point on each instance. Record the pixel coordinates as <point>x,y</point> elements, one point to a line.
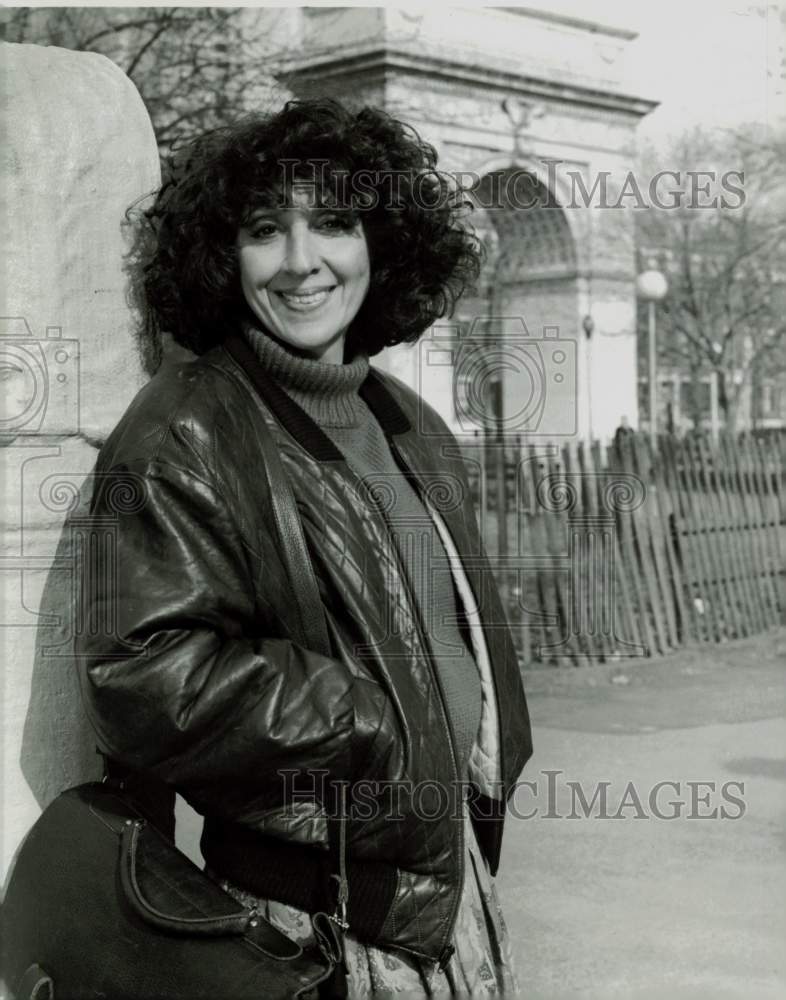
<point>652,286</point>
<point>588,326</point>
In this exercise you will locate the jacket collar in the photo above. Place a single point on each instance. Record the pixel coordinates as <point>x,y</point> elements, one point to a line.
<point>415,453</point>
<point>300,425</point>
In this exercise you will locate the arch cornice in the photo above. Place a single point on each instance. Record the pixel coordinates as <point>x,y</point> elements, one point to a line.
<point>376,59</point>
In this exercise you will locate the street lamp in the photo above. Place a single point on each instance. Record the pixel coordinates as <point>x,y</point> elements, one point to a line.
<point>652,286</point>
<point>588,326</point>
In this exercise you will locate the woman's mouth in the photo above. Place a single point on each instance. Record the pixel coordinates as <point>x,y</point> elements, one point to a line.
<point>303,301</point>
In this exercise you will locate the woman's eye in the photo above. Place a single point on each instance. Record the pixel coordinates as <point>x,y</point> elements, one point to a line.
<point>263,230</point>
<point>343,223</point>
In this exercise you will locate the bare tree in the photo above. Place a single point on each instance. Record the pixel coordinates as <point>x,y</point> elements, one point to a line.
<point>722,247</point>
<point>193,66</point>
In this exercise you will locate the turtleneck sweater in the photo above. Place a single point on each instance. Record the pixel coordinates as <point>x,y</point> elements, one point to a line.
<point>329,394</point>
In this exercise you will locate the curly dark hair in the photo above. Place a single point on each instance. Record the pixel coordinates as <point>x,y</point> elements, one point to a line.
<point>423,253</point>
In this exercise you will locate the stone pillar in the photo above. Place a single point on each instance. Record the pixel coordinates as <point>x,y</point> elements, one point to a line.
<point>79,149</point>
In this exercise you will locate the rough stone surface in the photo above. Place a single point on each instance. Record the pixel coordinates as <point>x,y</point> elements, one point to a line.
<point>78,151</point>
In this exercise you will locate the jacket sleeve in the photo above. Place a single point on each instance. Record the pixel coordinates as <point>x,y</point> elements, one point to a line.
<point>173,679</point>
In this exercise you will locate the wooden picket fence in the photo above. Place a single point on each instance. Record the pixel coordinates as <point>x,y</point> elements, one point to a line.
<point>613,552</point>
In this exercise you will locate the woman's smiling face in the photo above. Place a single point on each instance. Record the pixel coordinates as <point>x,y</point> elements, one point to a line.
<point>304,271</point>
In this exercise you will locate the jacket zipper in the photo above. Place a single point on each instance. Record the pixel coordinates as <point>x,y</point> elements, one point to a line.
<point>447,949</point>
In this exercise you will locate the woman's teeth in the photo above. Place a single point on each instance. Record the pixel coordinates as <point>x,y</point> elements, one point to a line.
<point>304,299</point>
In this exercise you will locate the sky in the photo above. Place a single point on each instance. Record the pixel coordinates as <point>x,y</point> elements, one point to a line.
<point>718,62</point>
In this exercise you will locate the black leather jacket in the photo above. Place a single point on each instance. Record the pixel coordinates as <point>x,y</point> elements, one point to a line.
<point>190,675</point>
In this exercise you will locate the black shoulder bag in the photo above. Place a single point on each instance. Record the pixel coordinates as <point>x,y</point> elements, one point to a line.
<point>100,904</point>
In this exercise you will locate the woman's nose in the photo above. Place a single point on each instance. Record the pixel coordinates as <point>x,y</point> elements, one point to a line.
<point>302,255</point>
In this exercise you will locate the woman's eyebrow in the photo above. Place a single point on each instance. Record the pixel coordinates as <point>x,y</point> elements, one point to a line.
<point>276,211</point>
<point>262,212</point>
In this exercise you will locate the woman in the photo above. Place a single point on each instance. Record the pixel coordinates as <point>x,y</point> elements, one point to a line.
<point>290,249</point>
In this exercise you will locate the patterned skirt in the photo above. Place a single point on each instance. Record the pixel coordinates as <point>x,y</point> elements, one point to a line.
<point>482,964</point>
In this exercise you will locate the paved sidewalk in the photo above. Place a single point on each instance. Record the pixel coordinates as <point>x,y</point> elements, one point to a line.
<point>648,907</point>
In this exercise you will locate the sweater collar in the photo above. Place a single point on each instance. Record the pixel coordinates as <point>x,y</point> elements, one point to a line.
<point>297,421</point>
<point>329,393</point>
